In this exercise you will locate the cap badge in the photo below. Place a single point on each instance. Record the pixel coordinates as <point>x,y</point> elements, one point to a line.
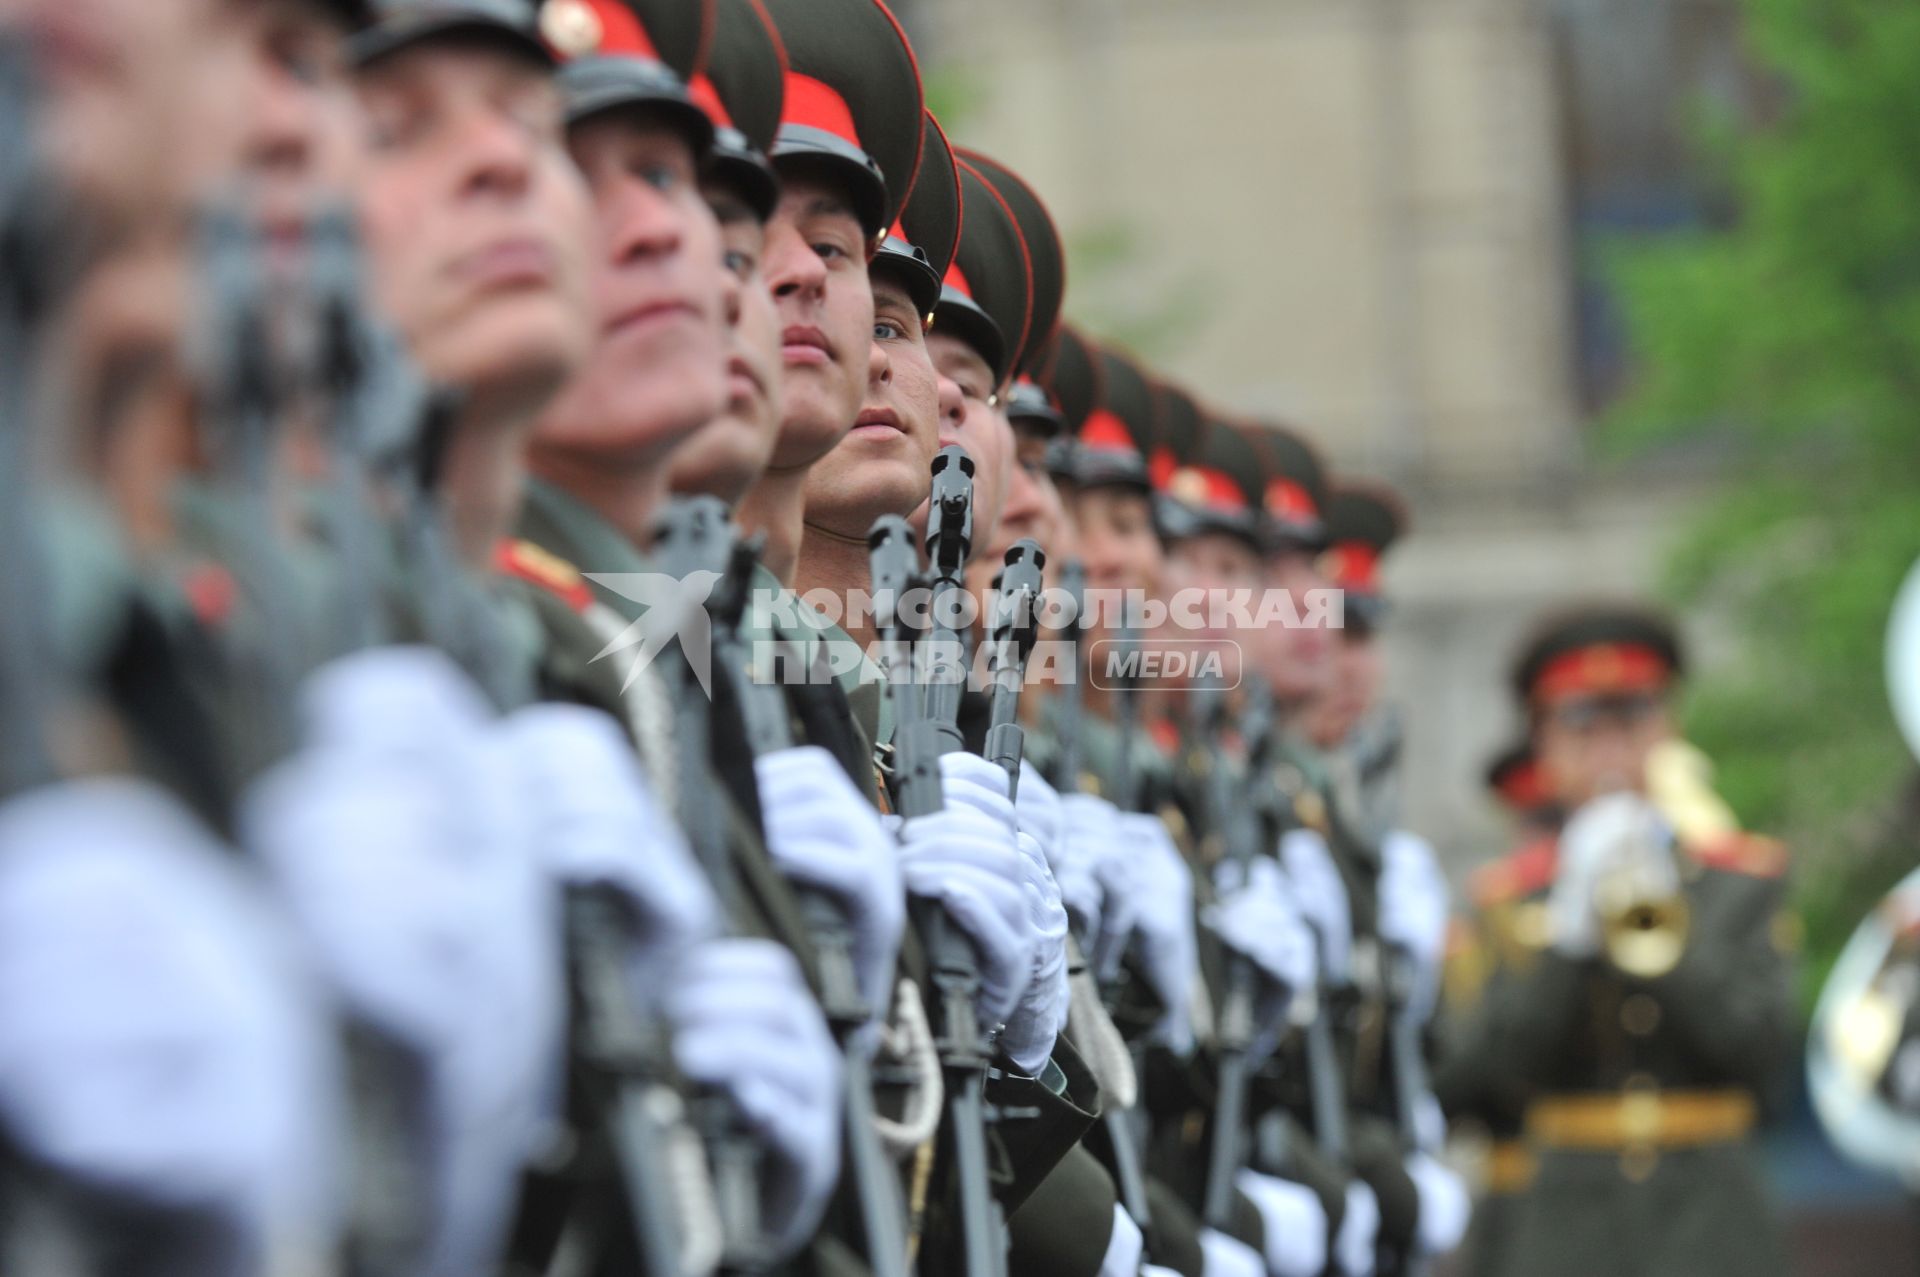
<point>1188,486</point>
<point>571,27</point>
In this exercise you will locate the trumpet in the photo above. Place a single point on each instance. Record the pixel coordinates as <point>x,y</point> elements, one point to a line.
<point>1644,916</point>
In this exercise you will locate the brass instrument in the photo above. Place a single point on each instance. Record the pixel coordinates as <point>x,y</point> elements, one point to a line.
<point>1644,915</point>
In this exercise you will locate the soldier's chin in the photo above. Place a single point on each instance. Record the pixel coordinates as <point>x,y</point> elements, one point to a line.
<point>526,349</point>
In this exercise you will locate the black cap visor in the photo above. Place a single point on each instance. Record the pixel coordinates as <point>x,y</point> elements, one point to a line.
<point>1179,522</point>
<point>961,316</point>
<point>595,85</point>
<point>474,19</point>
<point>1029,409</point>
<point>736,163</point>
<point>810,152</point>
<point>1110,468</point>
<point>1294,536</point>
<point>901,261</point>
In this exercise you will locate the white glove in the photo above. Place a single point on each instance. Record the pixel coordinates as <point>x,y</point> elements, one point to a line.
<point>1258,920</point>
<point>1445,1205</point>
<point>1223,1256</point>
<point>1125,1245</point>
<point>822,832</point>
<point>1093,826</point>
<point>1036,806</point>
<point>968,780</point>
<point>1168,946</point>
<point>1295,1232</point>
<point>745,1024</point>
<point>968,862</point>
<point>1321,896</point>
<point>1598,837</point>
<point>1030,1031</point>
<point>1096,898</point>
<point>598,824</point>
<point>404,854</point>
<point>1354,1248</point>
<point>1413,912</point>
<point>394,697</point>
<point>162,1039</point>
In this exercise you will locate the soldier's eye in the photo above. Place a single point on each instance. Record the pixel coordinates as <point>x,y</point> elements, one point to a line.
<point>741,263</point>
<point>888,330</point>
<point>661,177</point>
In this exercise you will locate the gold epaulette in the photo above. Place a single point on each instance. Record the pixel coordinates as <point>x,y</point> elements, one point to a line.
<point>1741,853</point>
<point>525,561</point>
<point>1516,875</point>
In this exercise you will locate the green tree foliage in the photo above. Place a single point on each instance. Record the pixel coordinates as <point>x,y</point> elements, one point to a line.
<point>1792,339</point>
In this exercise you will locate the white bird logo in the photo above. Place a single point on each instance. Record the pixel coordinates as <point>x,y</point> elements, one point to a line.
<point>669,606</point>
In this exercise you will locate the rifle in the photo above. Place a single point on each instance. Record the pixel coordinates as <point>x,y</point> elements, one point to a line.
<point>953,967</point>
<point>684,544</point>
<point>1123,1137</point>
<point>1073,584</point>
<point>246,385</point>
<point>1015,630</point>
<point>709,534</point>
<point>949,540</point>
<point>26,757</point>
<point>1239,826</point>
<point>372,395</point>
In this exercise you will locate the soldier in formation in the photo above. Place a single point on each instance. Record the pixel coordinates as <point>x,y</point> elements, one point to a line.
<point>595,683</point>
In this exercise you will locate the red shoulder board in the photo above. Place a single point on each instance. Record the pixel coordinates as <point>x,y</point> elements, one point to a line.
<point>211,593</point>
<point>1517,875</point>
<point>1741,853</point>
<point>528,562</point>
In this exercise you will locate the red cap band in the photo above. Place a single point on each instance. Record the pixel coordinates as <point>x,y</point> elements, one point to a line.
<point>815,105</point>
<point>957,281</point>
<point>1602,668</point>
<point>1206,488</point>
<point>1353,565</point>
<point>1104,429</point>
<point>1289,501</point>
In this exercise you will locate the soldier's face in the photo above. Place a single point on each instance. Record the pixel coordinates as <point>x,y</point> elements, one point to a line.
<point>1118,543</point>
<point>817,270</point>
<point>1032,509</point>
<point>1207,568</point>
<point>150,109</point>
<point>1351,692</point>
<point>728,454</point>
<point>657,372</point>
<point>971,417</point>
<point>269,111</point>
<point>1589,747</point>
<point>1297,658</point>
<point>477,220</point>
<point>110,74</point>
<point>883,465</point>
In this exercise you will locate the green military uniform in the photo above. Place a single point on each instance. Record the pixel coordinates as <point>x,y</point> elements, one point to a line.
<point>1502,932</point>
<point>1474,1086</point>
<point>1644,1091</point>
<point>1645,1067</point>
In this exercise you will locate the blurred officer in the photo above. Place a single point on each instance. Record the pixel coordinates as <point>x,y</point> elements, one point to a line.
<point>1648,1022</point>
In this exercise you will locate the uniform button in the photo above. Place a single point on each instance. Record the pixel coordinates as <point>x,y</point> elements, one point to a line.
<point>1640,1015</point>
<point>1638,1162</point>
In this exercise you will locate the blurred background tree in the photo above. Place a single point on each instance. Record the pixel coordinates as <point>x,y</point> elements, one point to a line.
<point>1791,336</point>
